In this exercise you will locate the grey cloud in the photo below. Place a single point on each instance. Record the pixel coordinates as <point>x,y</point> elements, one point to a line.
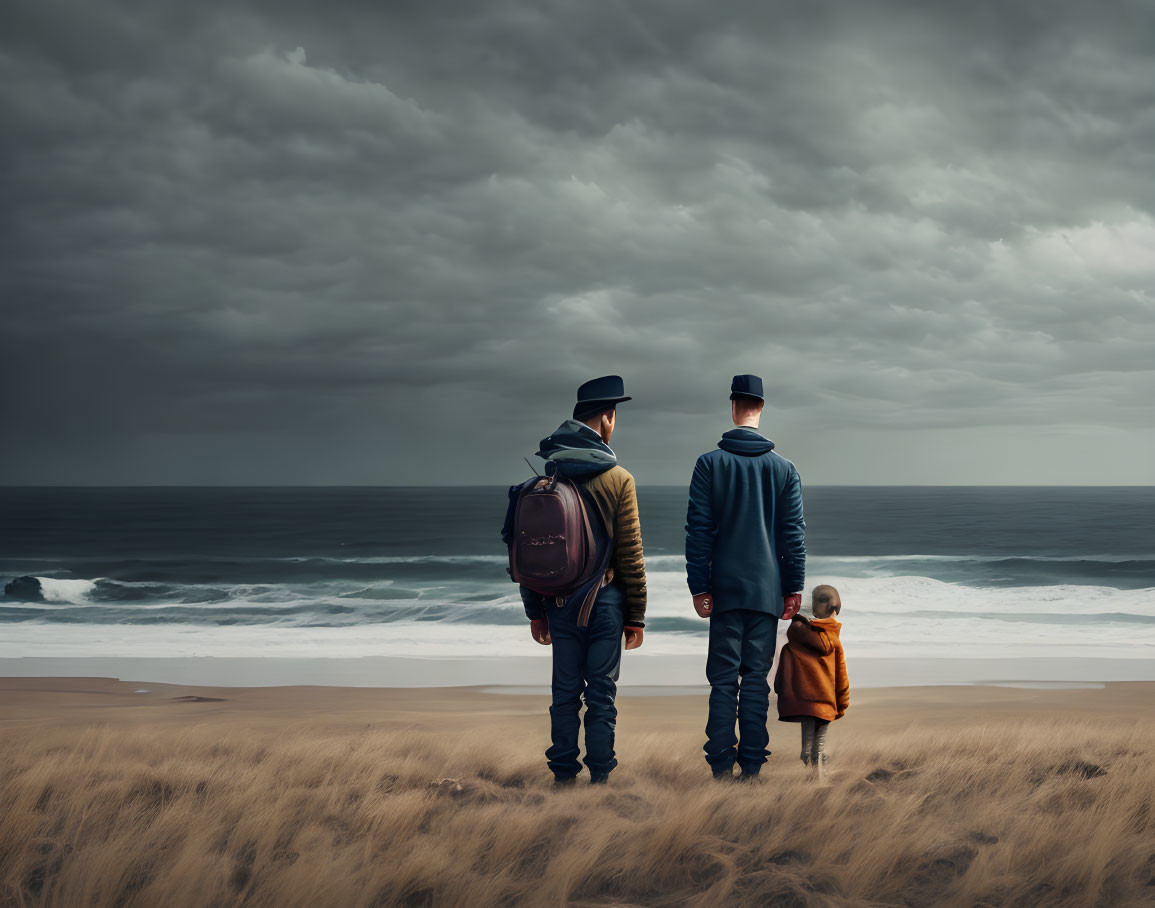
<point>237,229</point>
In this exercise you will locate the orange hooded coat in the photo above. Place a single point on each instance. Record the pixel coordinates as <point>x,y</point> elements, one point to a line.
<point>811,678</point>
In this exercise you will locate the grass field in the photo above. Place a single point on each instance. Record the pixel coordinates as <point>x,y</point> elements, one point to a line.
<point>1003,811</point>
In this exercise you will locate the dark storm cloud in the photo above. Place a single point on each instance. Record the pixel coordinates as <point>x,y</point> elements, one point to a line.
<point>384,242</point>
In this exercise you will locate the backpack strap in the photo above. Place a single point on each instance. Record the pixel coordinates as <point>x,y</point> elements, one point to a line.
<point>591,597</point>
<point>591,541</point>
<point>607,575</point>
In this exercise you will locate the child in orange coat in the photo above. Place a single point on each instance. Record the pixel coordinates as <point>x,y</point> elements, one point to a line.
<point>811,682</point>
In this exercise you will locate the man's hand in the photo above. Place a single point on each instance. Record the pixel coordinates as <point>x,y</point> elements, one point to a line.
<point>704,605</point>
<point>633,636</point>
<point>539,628</point>
<point>790,605</point>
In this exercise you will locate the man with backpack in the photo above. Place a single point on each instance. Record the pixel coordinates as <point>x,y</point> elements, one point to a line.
<point>575,546</point>
<point>745,565</point>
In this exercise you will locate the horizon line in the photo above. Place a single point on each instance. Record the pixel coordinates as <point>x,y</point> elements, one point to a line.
<point>655,485</point>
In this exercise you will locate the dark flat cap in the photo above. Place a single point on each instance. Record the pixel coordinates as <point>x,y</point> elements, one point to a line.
<point>746,386</point>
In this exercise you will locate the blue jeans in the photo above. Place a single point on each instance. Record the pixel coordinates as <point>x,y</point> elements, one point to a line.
<point>586,661</point>
<point>741,653</point>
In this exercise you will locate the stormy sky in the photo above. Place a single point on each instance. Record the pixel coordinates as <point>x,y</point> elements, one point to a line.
<point>383,242</point>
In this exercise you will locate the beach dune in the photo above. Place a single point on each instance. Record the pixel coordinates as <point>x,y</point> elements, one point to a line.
<point>116,793</point>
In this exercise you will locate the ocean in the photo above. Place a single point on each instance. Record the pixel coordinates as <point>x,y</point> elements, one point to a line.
<point>925,573</point>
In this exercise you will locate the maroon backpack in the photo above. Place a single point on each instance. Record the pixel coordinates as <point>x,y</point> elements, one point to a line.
<point>553,546</point>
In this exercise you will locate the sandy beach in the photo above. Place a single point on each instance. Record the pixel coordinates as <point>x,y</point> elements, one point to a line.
<point>119,792</point>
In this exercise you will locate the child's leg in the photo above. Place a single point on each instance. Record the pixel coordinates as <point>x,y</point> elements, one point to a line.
<point>807,738</point>
<point>818,753</point>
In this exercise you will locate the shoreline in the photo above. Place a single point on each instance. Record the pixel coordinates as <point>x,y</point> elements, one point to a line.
<point>639,670</point>
<point>70,701</point>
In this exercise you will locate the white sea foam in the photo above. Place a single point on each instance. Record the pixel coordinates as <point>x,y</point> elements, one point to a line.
<point>900,596</point>
<point>883,617</point>
<point>56,589</point>
<point>866,634</point>
<point>905,617</point>
<point>821,562</point>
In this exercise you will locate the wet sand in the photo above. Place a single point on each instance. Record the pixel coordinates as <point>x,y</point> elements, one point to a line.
<point>62,702</point>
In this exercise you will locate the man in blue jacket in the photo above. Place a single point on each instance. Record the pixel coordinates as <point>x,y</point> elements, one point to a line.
<point>746,567</point>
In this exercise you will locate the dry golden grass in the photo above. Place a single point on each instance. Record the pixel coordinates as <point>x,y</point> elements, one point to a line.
<point>1003,813</point>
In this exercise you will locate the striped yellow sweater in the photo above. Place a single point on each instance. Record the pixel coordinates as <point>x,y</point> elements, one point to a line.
<point>617,500</point>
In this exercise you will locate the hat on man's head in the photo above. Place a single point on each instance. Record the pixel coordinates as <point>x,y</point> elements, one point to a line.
<point>746,386</point>
<point>598,394</point>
